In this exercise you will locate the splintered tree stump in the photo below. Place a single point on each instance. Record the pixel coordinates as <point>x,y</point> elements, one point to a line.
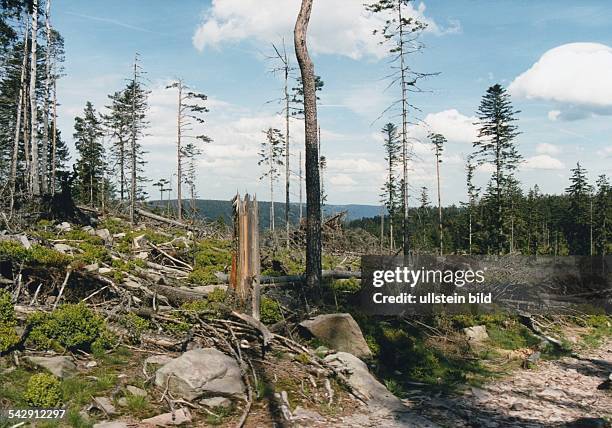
<point>244,278</point>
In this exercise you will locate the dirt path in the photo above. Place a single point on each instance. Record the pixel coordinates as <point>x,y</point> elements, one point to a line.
<point>556,393</point>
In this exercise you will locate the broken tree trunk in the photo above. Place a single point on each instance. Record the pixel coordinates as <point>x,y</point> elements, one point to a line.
<point>245,264</point>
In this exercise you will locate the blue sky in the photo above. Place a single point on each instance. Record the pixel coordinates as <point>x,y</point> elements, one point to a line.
<point>554,55</point>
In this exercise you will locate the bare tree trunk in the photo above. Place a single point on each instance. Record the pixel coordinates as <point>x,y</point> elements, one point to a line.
<point>439,200</point>
<point>45,146</point>
<point>271,160</point>
<point>54,139</point>
<point>313,191</point>
<point>470,249</point>
<point>300,180</point>
<point>179,171</point>
<point>287,172</point>
<point>406,234</point>
<point>134,163</point>
<point>382,228</point>
<point>15,155</point>
<point>26,137</point>
<point>34,171</point>
<point>122,167</point>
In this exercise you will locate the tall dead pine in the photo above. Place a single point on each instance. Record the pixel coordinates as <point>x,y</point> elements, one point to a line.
<point>245,264</point>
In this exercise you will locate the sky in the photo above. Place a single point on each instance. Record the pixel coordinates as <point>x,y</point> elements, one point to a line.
<point>555,58</point>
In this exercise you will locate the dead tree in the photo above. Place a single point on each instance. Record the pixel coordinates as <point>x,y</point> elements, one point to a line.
<point>313,193</point>
<point>15,154</point>
<point>45,144</point>
<point>34,167</point>
<point>245,275</point>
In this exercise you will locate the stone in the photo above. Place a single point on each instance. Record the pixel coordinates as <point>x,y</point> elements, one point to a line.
<point>481,395</point>
<point>139,241</point>
<point>20,239</point>
<point>105,404</point>
<point>94,267</point>
<point>301,414</point>
<point>180,416</point>
<point>104,270</point>
<point>340,331</point>
<point>89,230</point>
<point>216,402</point>
<point>199,372</point>
<point>158,359</point>
<point>111,424</point>
<point>119,235</point>
<point>477,333</point>
<point>60,366</point>
<point>104,234</point>
<point>363,381</point>
<point>64,227</point>
<point>122,402</point>
<point>142,255</point>
<point>91,364</point>
<point>63,248</point>
<point>134,390</point>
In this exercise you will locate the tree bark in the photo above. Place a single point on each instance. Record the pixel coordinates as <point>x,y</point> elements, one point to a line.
<point>439,198</point>
<point>133,148</point>
<point>15,155</point>
<point>45,145</point>
<point>54,139</point>
<point>179,170</point>
<point>313,191</point>
<point>406,233</point>
<point>287,172</point>
<point>34,175</point>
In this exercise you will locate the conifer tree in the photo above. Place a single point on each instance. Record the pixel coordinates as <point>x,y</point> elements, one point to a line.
<point>90,165</point>
<point>438,141</point>
<point>496,146</point>
<point>577,222</point>
<point>390,189</point>
<point>401,32</point>
<point>190,114</point>
<point>271,157</point>
<point>603,215</point>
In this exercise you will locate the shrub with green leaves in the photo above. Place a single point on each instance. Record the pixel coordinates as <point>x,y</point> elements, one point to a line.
<point>68,327</point>
<point>8,335</point>
<point>43,390</point>
<point>210,256</point>
<point>37,254</point>
<point>270,311</point>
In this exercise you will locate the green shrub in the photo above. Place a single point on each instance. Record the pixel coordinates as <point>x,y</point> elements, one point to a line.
<point>350,285</point>
<point>270,311</point>
<point>70,327</point>
<point>43,390</point>
<point>212,305</point>
<point>8,335</point>
<point>15,252</point>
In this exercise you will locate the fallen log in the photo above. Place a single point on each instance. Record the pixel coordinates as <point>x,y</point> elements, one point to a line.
<point>287,279</point>
<point>162,219</point>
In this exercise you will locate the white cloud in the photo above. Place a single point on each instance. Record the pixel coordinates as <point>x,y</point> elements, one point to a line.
<point>606,152</point>
<point>336,27</point>
<point>455,126</point>
<point>577,76</point>
<point>342,180</point>
<point>553,115</point>
<point>547,149</point>
<point>543,162</point>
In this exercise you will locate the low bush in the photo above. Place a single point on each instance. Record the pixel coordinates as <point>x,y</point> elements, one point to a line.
<point>8,335</point>
<point>43,390</point>
<point>69,327</point>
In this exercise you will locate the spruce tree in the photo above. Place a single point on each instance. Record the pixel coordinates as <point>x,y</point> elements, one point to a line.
<point>496,146</point>
<point>90,164</point>
<point>271,157</point>
<point>438,141</point>
<point>578,219</point>
<point>603,215</point>
<point>390,189</point>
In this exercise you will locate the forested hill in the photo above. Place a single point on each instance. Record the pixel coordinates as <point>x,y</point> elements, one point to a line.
<point>214,209</point>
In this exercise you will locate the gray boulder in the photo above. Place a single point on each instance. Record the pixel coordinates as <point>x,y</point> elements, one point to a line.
<point>340,331</point>
<point>104,234</point>
<point>361,380</point>
<point>477,333</point>
<point>199,372</point>
<point>111,424</point>
<point>60,366</point>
